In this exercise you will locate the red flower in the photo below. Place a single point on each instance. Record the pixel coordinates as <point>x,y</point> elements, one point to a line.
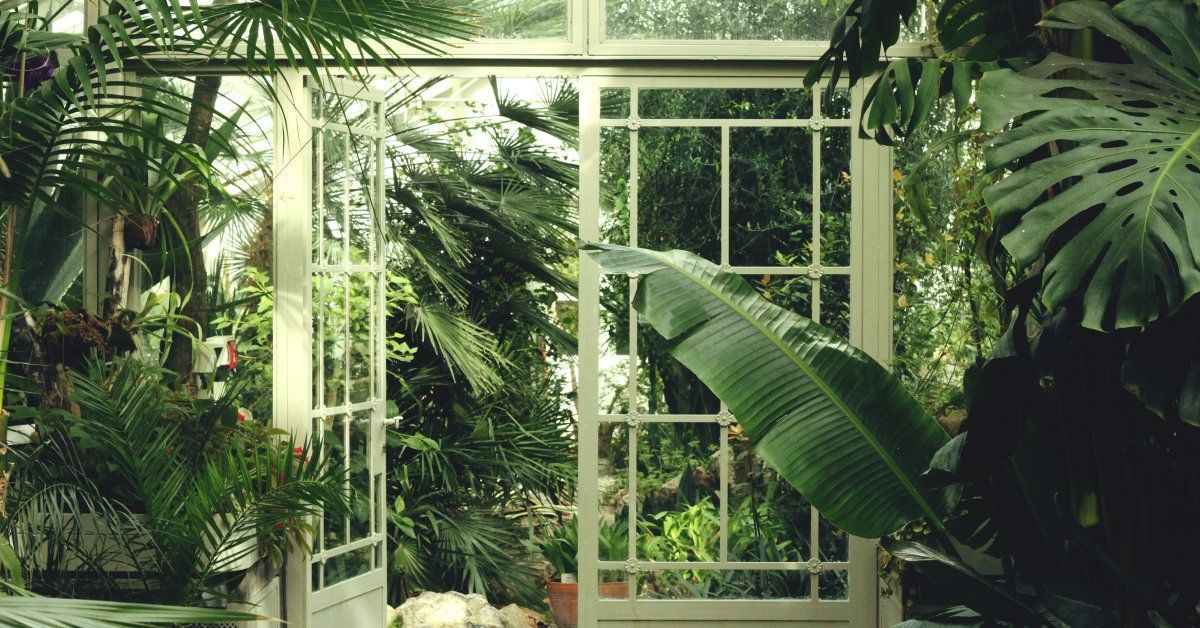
<point>241,416</point>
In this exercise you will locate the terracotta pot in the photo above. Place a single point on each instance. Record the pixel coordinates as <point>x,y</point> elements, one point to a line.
<point>564,600</point>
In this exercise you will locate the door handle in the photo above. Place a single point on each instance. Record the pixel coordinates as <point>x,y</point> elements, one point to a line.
<point>393,422</point>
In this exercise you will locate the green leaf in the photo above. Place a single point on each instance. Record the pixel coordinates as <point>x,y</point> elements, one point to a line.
<point>1116,231</point>
<point>28,610</point>
<point>10,563</point>
<point>831,420</point>
<point>965,584</point>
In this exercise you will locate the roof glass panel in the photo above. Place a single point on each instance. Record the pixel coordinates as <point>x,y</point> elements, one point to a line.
<point>517,19</point>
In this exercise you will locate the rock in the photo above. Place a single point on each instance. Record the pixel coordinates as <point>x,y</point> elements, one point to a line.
<point>515,616</point>
<point>449,610</point>
<point>392,614</point>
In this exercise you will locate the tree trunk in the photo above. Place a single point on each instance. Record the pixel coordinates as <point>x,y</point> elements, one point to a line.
<point>187,272</point>
<point>119,267</point>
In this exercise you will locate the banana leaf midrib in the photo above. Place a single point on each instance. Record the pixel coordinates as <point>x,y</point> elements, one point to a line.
<point>838,402</point>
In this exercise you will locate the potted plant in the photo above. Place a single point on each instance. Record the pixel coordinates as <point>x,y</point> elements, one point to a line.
<point>561,549</point>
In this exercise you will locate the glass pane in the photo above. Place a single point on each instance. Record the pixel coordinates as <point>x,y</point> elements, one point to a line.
<point>614,185</point>
<point>64,16</point>
<point>347,109</point>
<point>334,448</point>
<point>808,20</point>
<point>678,483</point>
<point>334,149</point>
<point>349,565</point>
<point>665,386</point>
<point>613,484</point>
<point>679,190</point>
<point>835,304</point>
<point>334,340</point>
<point>768,104</point>
<point>788,291</point>
<point>614,102</point>
<point>835,197</point>
<point>613,585</point>
<point>839,106</point>
<point>770,196</point>
<point>318,195</point>
<point>614,344</point>
<point>517,19</point>
<point>360,475</point>
<point>318,343</point>
<point>834,585</point>
<point>316,576</point>
<point>362,198</point>
<point>835,544</point>
<point>706,584</point>
<point>361,348</point>
<point>768,519</point>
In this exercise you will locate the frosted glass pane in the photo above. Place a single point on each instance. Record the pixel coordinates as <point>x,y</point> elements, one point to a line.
<point>804,20</point>
<point>516,19</point>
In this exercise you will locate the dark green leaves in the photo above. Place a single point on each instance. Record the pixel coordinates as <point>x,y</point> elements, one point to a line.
<point>831,420</point>
<point>904,95</point>
<point>1117,145</point>
<point>965,584</point>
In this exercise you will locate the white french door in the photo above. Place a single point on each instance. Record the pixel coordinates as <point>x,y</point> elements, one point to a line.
<point>779,189</point>
<point>329,333</point>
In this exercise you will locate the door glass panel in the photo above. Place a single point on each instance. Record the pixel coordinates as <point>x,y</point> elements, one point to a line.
<point>334,336</point>
<point>615,190</point>
<point>711,584</point>
<point>360,342</point>
<point>614,346</point>
<point>333,148</point>
<point>721,20</point>
<point>351,564</point>
<point>677,491</point>
<point>834,585</point>
<point>770,197</point>
<point>835,304</point>
<point>835,196</point>
<point>722,103</point>
<point>769,521</point>
<point>679,175</point>
<point>333,447</point>
<point>347,308</point>
<point>362,185</point>
<point>756,177</point>
<point>360,475</point>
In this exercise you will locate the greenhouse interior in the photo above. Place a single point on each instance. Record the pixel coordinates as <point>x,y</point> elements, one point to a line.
<point>600,313</point>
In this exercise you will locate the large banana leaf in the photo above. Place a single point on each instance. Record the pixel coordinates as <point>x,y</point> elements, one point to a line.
<point>1118,234</point>
<point>830,419</point>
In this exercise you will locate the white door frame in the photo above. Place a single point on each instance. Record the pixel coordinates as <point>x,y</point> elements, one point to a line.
<point>870,320</point>
<point>359,600</point>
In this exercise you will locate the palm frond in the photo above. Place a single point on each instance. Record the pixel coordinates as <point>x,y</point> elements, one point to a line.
<point>470,350</point>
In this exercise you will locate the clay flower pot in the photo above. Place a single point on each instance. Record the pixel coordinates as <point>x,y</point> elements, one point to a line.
<point>564,600</point>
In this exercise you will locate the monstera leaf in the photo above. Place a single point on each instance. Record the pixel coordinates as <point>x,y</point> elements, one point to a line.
<point>1119,229</point>
<point>831,420</point>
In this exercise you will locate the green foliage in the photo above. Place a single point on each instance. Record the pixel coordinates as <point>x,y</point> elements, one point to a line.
<point>175,490</point>
<point>1070,480</point>
<point>804,380</point>
<point>1117,238</point>
<point>23,609</point>
<point>482,216</point>
<point>948,306</point>
<point>978,37</point>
